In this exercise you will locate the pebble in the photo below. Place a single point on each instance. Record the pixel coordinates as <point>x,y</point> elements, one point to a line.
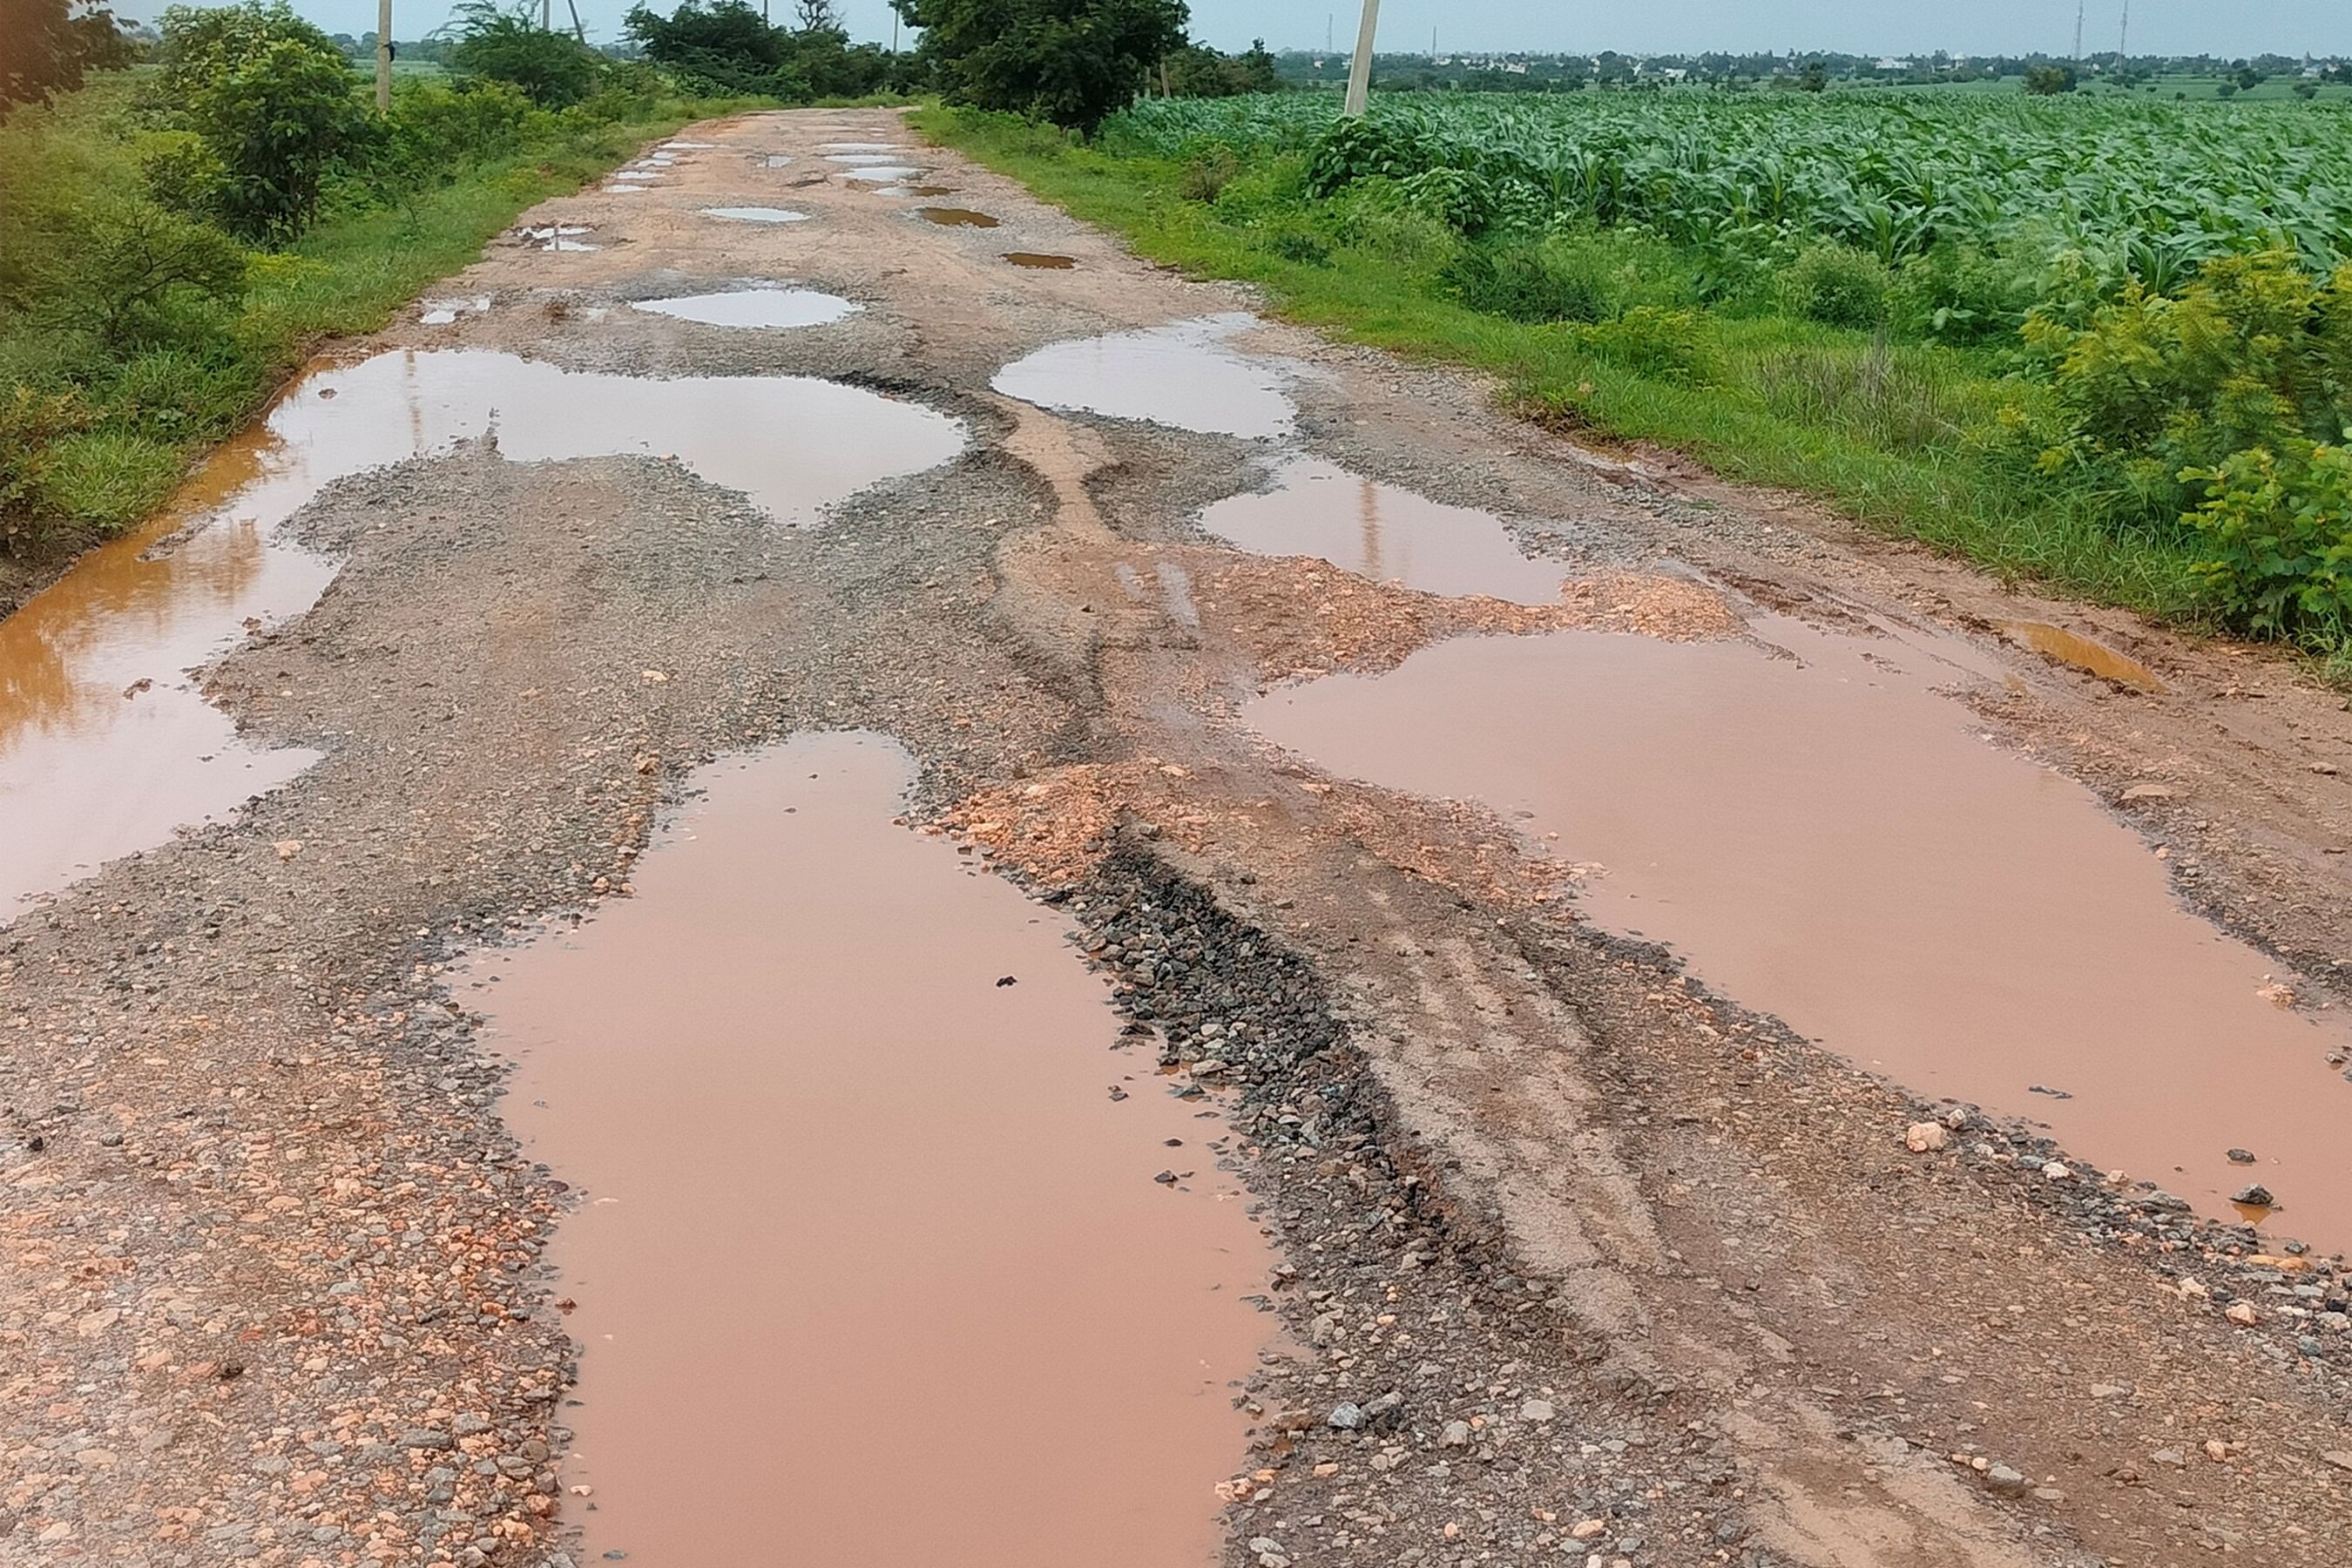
<point>1538,1411</point>
<point>1346,1417</point>
<point>2255,1194</point>
<point>1926,1137</point>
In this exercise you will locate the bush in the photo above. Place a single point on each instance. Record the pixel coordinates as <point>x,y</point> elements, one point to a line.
<point>1961,294</point>
<point>1838,287</point>
<point>1667,344</point>
<point>553,69</point>
<point>1204,178</point>
<point>2278,528</point>
<point>32,423</point>
<point>1461,199</point>
<point>1529,281</point>
<point>1357,149</point>
<point>127,269</point>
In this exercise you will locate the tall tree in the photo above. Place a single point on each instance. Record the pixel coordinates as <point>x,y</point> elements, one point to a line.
<point>48,46</point>
<point>1074,62</point>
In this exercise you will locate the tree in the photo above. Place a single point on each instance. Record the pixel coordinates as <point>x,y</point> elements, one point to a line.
<point>48,46</point>
<point>275,125</point>
<point>2048,81</point>
<point>727,45</point>
<point>1074,62</point>
<point>1814,78</point>
<point>1199,71</point>
<point>553,69</point>
<point>819,17</point>
<point>200,43</point>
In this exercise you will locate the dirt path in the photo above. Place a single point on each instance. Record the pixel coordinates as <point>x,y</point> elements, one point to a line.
<point>1584,1257</point>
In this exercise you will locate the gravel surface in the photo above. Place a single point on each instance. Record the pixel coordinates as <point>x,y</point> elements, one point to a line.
<point>1580,1262</point>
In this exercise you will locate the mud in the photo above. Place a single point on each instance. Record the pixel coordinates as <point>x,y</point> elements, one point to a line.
<point>1383,532</point>
<point>1824,837</point>
<point>1180,375</point>
<point>756,308</point>
<point>901,1193</point>
<point>2084,654</point>
<point>1038,260</point>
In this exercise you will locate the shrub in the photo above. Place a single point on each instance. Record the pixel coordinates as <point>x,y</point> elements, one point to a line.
<point>1461,199</point>
<point>1529,281</point>
<point>551,69</point>
<point>277,121</point>
<point>1353,150</point>
<point>31,425</point>
<point>1204,178</point>
<point>1667,344</point>
<point>127,268</point>
<point>2278,529</point>
<point>1837,285</point>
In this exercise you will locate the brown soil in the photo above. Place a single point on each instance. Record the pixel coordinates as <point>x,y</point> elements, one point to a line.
<point>1582,1256</point>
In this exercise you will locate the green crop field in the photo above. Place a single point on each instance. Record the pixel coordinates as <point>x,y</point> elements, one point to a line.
<point>2103,339</point>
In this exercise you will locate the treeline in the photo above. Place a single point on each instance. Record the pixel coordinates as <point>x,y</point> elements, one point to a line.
<point>172,238</point>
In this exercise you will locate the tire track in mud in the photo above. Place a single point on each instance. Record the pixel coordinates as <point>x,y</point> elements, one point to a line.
<point>1579,1261</point>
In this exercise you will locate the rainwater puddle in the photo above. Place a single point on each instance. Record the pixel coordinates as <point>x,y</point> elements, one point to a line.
<point>777,160</point>
<point>1180,375</point>
<point>441,312</point>
<point>2070,647</point>
<point>1038,259</point>
<point>861,1216</point>
<point>861,147</point>
<point>624,190</point>
<point>882,174</point>
<point>687,146</point>
<point>559,236</point>
<point>867,158</point>
<point>756,215</point>
<point>756,308</point>
<point>955,217</point>
<point>105,746</point>
<point>1380,531</point>
<point>920,190</point>
<point>1825,837</point>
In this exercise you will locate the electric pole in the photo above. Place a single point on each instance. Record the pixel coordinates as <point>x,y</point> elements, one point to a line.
<point>384,57</point>
<point>2078,29</point>
<point>578,31</point>
<point>2122,38</point>
<point>1359,69</point>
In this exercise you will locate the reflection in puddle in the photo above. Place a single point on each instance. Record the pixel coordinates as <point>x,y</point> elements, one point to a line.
<point>1380,531</point>
<point>1179,375</point>
<point>88,773</point>
<point>559,236</point>
<point>920,190</point>
<point>1824,838</point>
<point>955,217</point>
<point>687,146</point>
<point>891,1199</point>
<point>756,308</point>
<point>860,147</point>
<point>863,158</point>
<point>756,215</point>
<point>1040,259</point>
<point>2068,647</point>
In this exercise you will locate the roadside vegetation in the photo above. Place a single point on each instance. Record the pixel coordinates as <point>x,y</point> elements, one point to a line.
<point>175,238</point>
<point>2107,345</point>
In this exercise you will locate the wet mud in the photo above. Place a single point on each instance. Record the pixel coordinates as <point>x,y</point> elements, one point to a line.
<point>1181,375</point>
<point>875,1219</point>
<point>1383,532</point>
<point>1826,837</point>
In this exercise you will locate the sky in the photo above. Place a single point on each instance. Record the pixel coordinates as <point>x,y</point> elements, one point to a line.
<point>2233,27</point>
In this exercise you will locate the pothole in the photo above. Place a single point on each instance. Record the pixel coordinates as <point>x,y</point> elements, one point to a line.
<point>956,217</point>
<point>756,308</point>
<point>756,215</point>
<point>1041,260</point>
<point>1180,375</point>
<point>837,1105</point>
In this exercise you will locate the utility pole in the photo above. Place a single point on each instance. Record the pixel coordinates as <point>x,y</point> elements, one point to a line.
<point>2122,38</point>
<point>384,57</point>
<point>2078,29</point>
<point>578,31</point>
<point>1359,69</point>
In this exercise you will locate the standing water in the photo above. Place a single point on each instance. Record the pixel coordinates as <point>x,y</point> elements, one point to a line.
<point>871,1267</point>
<point>1819,831</point>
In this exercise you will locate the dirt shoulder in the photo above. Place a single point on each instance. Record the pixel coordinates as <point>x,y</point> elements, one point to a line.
<point>1580,1260</point>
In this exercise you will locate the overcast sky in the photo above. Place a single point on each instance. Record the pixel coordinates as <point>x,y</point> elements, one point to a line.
<point>1858,27</point>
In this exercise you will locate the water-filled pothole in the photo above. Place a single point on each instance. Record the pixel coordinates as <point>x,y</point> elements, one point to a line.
<point>560,236</point>
<point>105,747</point>
<point>1041,260</point>
<point>866,159</point>
<point>756,308</point>
<point>1383,532</point>
<point>956,217</point>
<point>1825,836</point>
<point>887,1164</point>
<point>1180,375</point>
<point>756,215</point>
<point>442,312</point>
<point>882,173</point>
<point>2095,658</point>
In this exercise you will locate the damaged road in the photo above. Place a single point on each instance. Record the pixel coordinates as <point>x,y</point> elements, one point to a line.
<point>1569,1245</point>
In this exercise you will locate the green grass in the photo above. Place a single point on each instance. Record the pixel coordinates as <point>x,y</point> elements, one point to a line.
<point>152,412</point>
<point>1882,433</point>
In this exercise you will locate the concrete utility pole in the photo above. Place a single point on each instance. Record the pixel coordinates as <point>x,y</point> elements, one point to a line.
<point>384,57</point>
<point>2078,29</point>
<point>1359,69</point>
<point>2122,38</point>
<point>578,31</point>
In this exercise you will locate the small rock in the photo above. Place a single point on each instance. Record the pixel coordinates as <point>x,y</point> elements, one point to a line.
<point>1587,1528</point>
<point>1538,1411</point>
<point>1456,1435</point>
<point>2150,792</point>
<point>1926,1137</point>
<point>2057,1171</point>
<point>2167,1456</point>
<point>2341,1459</point>
<point>2005,1481</point>
<point>2241,1156</point>
<point>2244,1314</point>
<point>419,1437</point>
<point>1346,1417</point>
<point>2253,1194</point>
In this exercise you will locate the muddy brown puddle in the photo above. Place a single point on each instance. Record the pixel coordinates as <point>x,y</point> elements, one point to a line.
<point>1181,375</point>
<point>1383,532</point>
<point>869,1266</point>
<point>956,217</point>
<point>1824,837</point>
<point>106,745</point>
<point>1040,260</point>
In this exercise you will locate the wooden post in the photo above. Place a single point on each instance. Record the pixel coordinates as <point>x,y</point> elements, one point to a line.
<point>384,57</point>
<point>1359,69</point>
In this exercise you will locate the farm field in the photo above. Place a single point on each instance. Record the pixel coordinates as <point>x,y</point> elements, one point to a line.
<point>2098,341</point>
